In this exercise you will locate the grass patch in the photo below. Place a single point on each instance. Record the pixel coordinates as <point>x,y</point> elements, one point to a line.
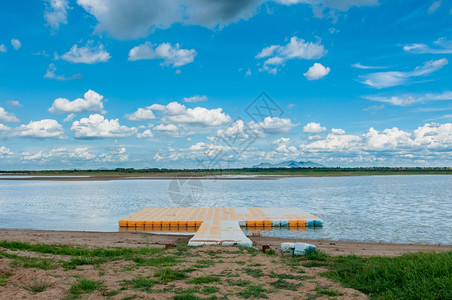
<point>327,292</point>
<point>410,276</point>
<point>84,286</point>
<point>207,290</point>
<point>37,286</point>
<point>186,297</point>
<point>238,282</point>
<point>164,261</point>
<point>140,283</point>
<point>108,253</point>
<point>34,262</point>
<point>74,262</point>
<point>256,273</point>
<point>204,279</point>
<point>204,263</point>
<point>318,255</point>
<point>253,291</point>
<point>284,285</point>
<point>289,276</point>
<point>3,278</point>
<point>314,264</point>
<point>167,275</point>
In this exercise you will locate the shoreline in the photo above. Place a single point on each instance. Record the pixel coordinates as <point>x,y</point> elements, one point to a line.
<point>184,177</point>
<point>142,239</point>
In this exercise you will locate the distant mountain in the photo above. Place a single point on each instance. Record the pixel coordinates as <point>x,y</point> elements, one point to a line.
<point>289,164</point>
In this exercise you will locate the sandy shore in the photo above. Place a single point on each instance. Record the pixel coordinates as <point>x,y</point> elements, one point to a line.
<point>140,239</point>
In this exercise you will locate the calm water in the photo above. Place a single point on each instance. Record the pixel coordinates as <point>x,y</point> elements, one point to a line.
<point>405,209</point>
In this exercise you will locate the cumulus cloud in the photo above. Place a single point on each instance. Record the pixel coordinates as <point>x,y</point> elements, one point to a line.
<point>313,127</point>
<point>337,131</point>
<point>51,74</point>
<point>317,71</point>
<point>196,98</point>
<point>142,114</point>
<point>56,13</point>
<point>92,102</point>
<point>16,44</point>
<point>145,134</point>
<point>441,46</point>
<point>410,99</point>
<point>273,125</point>
<point>177,113</point>
<point>276,55</point>
<point>46,128</point>
<point>393,78</point>
<point>172,55</point>
<point>126,20</point>
<point>5,152</point>
<point>7,117</point>
<point>89,54</point>
<point>96,126</point>
<point>2,48</point>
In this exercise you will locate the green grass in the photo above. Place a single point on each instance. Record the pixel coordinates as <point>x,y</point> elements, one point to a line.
<point>410,276</point>
<point>327,292</point>
<point>207,290</point>
<point>186,297</point>
<point>284,285</point>
<point>164,261</point>
<point>238,282</point>
<point>84,286</point>
<point>253,291</point>
<point>167,275</point>
<point>140,283</point>
<point>108,253</point>
<point>256,273</point>
<point>204,279</point>
<point>3,278</point>
<point>37,286</point>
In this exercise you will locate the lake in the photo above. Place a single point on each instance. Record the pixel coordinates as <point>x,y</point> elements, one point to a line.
<point>392,208</point>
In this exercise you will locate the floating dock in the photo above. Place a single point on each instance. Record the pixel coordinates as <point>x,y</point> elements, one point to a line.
<point>219,225</point>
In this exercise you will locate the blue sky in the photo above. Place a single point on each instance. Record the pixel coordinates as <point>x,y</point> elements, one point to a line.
<point>116,83</point>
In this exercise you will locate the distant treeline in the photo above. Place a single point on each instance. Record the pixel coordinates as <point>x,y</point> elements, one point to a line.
<point>243,171</point>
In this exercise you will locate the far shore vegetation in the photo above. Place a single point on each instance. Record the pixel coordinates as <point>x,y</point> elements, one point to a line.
<point>243,171</point>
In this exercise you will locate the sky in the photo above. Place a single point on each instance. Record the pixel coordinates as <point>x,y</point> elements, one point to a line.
<point>91,84</point>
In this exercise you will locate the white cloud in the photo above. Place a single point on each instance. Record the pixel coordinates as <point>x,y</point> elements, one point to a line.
<point>96,126</point>
<point>276,55</point>
<point>7,117</point>
<point>92,102</point>
<point>196,98</point>
<point>56,13</point>
<point>125,21</point>
<point>435,5</point>
<point>248,73</point>
<point>142,114</point>
<point>89,54</point>
<point>168,127</point>
<point>363,67</point>
<point>393,78</point>
<point>16,44</point>
<point>5,152</point>
<point>406,100</point>
<point>442,46</point>
<point>14,103</point>
<point>145,134</point>
<point>317,71</point>
<point>273,125</point>
<point>69,117</point>
<point>172,56</point>
<point>2,48</point>
<point>51,74</point>
<point>337,131</point>
<point>210,150</point>
<point>313,127</point>
<point>46,128</point>
<point>175,112</point>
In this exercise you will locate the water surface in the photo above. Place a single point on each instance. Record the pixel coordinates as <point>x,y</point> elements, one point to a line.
<point>393,208</point>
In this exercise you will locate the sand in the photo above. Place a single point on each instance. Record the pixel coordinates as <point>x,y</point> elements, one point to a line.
<point>140,239</point>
